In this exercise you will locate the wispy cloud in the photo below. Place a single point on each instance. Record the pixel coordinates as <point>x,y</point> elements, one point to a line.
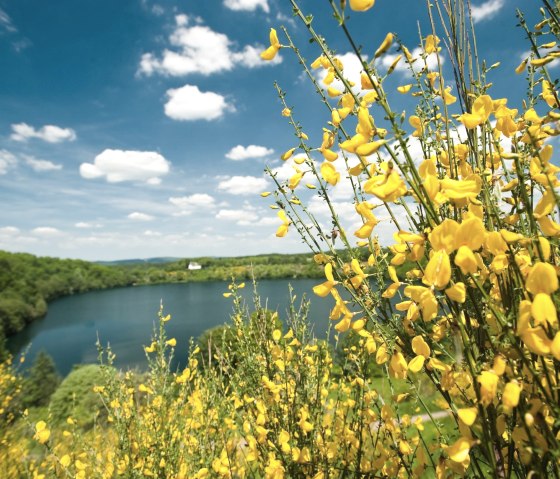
<point>247,5</point>
<point>41,165</point>
<point>6,23</point>
<point>191,203</point>
<point>240,152</point>
<point>49,133</point>
<point>7,161</point>
<point>242,185</point>
<point>486,10</point>
<point>137,216</point>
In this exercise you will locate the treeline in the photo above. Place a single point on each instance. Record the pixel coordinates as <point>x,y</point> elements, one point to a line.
<point>28,283</point>
<point>269,266</point>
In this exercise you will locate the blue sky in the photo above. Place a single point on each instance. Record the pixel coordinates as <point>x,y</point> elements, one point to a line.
<point>141,128</point>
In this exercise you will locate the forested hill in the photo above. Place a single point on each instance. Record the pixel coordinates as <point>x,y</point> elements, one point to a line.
<point>28,282</point>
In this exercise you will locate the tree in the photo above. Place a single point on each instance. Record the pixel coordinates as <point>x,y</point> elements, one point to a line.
<point>41,382</point>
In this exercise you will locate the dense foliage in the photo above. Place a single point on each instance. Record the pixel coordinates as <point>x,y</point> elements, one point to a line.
<point>28,283</point>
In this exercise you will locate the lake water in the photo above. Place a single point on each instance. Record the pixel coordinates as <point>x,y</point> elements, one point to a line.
<point>125,318</point>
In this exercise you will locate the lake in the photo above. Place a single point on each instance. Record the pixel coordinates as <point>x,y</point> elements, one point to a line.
<point>125,318</point>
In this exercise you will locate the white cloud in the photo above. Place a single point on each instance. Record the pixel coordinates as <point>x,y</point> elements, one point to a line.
<point>158,10</point>
<point>7,160</point>
<point>119,165</point>
<point>242,185</point>
<point>189,203</point>
<point>6,22</point>
<point>189,103</point>
<point>137,216</point>
<point>199,50</point>
<point>240,152</point>
<point>152,233</point>
<point>46,231</point>
<point>86,225</point>
<point>48,133</point>
<point>241,217</point>
<point>41,165</point>
<point>9,231</point>
<point>247,5</point>
<point>486,10</point>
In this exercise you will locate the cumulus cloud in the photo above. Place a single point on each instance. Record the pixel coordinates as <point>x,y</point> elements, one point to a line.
<point>240,152</point>
<point>7,160</point>
<point>242,185</point>
<point>486,10</point>
<point>197,49</point>
<point>247,5</point>
<point>119,165</point>
<point>188,204</point>
<point>41,165</point>
<point>241,217</point>
<point>46,231</point>
<point>137,216</point>
<point>48,133</point>
<point>188,103</point>
<point>9,231</point>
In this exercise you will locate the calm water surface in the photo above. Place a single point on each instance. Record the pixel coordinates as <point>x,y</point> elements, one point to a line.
<point>125,319</point>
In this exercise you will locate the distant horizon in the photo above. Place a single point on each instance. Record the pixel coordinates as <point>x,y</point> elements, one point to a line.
<point>151,258</point>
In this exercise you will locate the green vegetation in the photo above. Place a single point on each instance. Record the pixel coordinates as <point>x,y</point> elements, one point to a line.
<point>41,382</point>
<point>28,283</point>
<point>76,397</point>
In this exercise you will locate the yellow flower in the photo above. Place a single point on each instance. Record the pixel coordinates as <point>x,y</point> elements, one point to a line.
<point>329,173</point>
<point>542,279</point>
<point>325,288</point>
<point>416,122</point>
<point>171,342</point>
<point>431,44</point>
<point>488,381</point>
<point>459,450</point>
<point>361,5</point>
<point>448,98</point>
<point>397,366</point>
<point>468,415</point>
<point>42,433</point>
<point>272,50</point>
<point>438,270</point>
<point>404,88</point>
<point>385,45</point>
<point>287,154</point>
<point>510,397</point>
<point>283,228</point>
